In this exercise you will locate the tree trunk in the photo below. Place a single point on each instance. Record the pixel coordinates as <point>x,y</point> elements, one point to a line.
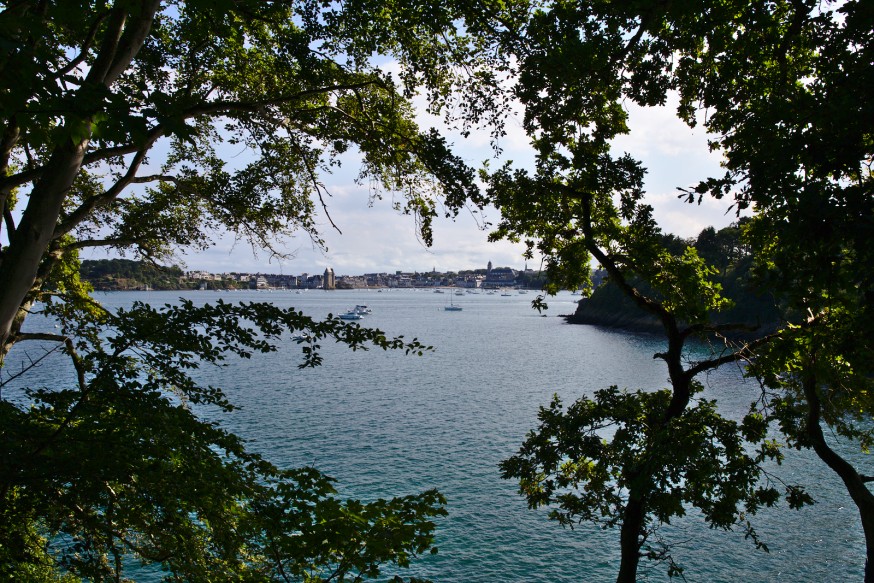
<point>860,494</point>
<point>867,513</point>
<point>31,239</point>
<point>853,481</point>
<point>632,526</point>
<point>122,40</point>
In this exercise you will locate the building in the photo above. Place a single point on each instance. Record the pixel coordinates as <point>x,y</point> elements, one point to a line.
<point>500,277</point>
<point>328,281</point>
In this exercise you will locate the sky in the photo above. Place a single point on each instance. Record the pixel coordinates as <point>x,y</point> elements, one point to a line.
<point>376,238</point>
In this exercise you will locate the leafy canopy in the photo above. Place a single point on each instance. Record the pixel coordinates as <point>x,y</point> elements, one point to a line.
<point>149,128</point>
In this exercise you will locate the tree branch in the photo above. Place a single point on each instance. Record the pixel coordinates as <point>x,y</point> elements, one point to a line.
<point>9,140</point>
<point>24,336</point>
<point>88,243</point>
<point>854,482</point>
<point>106,54</point>
<point>616,275</point>
<point>9,220</point>
<point>217,108</point>
<point>135,34</point>
<point>67,343</point>
<point>33,363</point>
<point>314,179</point>
<point>86,208</point>
<point>156,178</point>
<point>86,46</point>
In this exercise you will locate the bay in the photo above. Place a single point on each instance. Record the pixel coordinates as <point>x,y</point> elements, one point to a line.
<point>385,424</point>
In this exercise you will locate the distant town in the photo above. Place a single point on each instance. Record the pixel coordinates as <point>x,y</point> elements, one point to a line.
<point>121,274</point>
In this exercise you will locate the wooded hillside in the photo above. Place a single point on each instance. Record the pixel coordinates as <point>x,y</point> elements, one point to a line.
<point>722,250</point>
<point>126,274</point>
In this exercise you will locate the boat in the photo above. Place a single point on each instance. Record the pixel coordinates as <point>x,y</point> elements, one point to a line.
<point>351,315</point>
<point>438,291</point>
<point>301,338</point>
<point>506,294</point>
<point>362,309</point>
<point>458,292</point>
<point>452,307</point>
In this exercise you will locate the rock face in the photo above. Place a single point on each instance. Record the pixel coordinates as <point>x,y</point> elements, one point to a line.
<point>610,308</point>
<point>639,322</point>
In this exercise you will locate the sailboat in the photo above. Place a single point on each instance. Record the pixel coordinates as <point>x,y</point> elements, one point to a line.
<point>452,307</point>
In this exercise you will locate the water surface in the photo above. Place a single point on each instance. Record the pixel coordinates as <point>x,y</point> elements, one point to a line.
<point>386,424</point>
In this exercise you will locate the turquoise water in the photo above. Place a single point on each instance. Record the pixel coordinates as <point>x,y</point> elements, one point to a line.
<point>386,424</point>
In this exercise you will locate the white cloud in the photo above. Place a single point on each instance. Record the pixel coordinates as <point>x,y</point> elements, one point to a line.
<point>687,220</point>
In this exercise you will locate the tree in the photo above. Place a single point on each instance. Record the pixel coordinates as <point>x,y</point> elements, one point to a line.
<point>784,86</point>
<point>634,460</point>
<point>116,120</point>
<point>91,88</point>
<point>115,464</point>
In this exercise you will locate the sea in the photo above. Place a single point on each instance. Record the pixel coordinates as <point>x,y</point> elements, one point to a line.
<point>387,424</point>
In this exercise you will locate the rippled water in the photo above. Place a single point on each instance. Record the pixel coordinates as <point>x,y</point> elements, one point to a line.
<point>385,424</point>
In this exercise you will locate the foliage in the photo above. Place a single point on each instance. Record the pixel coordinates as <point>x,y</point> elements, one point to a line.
<point>635,477</point>
<point>104,273</point>
<point>152,128</point>
<point>292,89</point>
<point>764,74</point>
<point>724,252</point>
<point>785,87</point>
<point>168,487</point>
<point>584,462</point>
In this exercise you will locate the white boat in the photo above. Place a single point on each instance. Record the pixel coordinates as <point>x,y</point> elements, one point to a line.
<point>362,309</point>
<point>458,292</point>
<point>438,291</point>
<point>301,338</point>
<point>351,315</point>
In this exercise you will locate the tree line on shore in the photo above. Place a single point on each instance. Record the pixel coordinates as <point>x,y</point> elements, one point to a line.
<point>127,274</point>
<point>753,308</point>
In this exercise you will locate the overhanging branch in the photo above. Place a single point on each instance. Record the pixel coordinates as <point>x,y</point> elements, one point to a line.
<point>215,108</point>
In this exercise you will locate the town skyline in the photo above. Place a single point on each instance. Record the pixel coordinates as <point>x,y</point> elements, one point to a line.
<point>115,274</point>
